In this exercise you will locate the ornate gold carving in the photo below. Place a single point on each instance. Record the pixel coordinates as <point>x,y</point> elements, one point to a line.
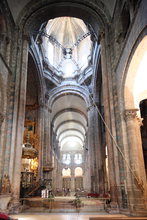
<point>33,140</point>
<point>28,151</point>
<point>30,134</point>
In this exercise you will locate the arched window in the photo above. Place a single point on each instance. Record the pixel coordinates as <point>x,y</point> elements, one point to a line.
<point>66,172</point>
<point>78,158</point>
<point>66,159</point>
<point>78,171</point>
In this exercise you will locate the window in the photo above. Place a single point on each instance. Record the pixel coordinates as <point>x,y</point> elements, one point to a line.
<point>78,158</point>
<point>66,159</point>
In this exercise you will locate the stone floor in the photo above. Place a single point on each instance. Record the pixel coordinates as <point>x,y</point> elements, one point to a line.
<point>63,209</point>
<point>69,216</point>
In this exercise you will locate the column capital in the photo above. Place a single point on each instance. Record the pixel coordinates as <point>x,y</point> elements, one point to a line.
<point>130,114</point>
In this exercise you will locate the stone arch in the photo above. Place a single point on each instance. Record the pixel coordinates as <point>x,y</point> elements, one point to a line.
<point>66,172</point>
<point>39,75</point>
<point>134,90</point>
<point>69,90</point>
<point>78,171</point>
<point>131,74</point>
<point>91,12</point>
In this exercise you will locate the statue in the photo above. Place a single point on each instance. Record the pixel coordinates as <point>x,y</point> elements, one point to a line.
<point>5,185</point>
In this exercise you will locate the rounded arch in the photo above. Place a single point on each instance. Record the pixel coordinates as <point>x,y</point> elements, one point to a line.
<point>69,90</point>
<point>134,86</point>
<point>39,75</point>
<point>78,171</point>
<point>69,110</point>
<point>66,172</point>
<point>35,84</point>
<point>93,13</point>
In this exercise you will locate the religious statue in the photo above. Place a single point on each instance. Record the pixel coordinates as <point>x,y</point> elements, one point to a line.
<point>5,185</point>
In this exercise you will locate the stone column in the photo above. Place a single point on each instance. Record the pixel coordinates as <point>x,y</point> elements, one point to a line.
<point>72,179</point>
<point>137,187</point>
<point>99,152</point>
<point>109,118</point>
<point>47,152</point>
<point>41,139</point>
<point>18,123</point>
<point>94,148</point>
<point>91,146</point>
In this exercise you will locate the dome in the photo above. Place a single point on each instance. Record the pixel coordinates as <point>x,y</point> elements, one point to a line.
<point>67,46</point>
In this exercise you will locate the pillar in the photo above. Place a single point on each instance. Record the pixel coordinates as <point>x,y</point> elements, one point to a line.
<point>113,164</point>
<point>136,177</point>
<point>18,123</point>
<point>47,151</point>
<point>41,139</point>
<point>91,146</point>
<point>95,150</point>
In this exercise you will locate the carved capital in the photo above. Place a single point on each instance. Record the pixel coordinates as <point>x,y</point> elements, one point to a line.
<point>130,114</point>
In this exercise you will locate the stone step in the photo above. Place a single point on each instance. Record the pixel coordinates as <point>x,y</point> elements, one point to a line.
<point>63,205</point>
